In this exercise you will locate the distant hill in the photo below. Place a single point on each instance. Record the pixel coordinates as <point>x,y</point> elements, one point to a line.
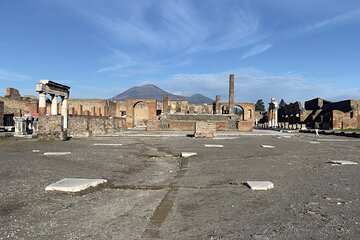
<point>152,91</point>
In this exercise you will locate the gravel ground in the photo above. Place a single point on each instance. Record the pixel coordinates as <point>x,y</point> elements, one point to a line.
<point>155,194</point>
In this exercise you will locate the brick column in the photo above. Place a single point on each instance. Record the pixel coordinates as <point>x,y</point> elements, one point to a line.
<point>231,94</point>
<point>165,103</point>
<point>217,104</point>
<point>42,103</point>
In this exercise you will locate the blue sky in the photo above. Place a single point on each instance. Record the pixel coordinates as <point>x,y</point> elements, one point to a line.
<point>296,50</point>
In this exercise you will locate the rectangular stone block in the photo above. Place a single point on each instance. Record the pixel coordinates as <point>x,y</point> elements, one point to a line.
<point>259,185</point>
<point>205,129</point>
<point>188,154</point>
<point>343,162</point>
<point>74,184</point>
<point>213,145</point>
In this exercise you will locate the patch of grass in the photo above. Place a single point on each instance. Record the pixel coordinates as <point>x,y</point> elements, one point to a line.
<point>351,130</point>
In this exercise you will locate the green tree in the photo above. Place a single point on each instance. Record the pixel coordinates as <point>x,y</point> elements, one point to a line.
<point>259,105</point>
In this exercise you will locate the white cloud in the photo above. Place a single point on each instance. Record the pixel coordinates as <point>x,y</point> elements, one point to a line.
<point>257,49</point>
<point>332,22</point>
<point>7,75</point>
<point>252,84</point>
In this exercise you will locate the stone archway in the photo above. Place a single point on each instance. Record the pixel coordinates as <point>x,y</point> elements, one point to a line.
<point>141,114</point>
<point>238,110</point>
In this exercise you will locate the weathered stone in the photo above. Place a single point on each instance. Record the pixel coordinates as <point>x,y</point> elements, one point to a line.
<point>213,145</point>
<point>56,153</point>
<point>313,142</point>
<point>267,146</point>
<point>74,184</point>
<point>188,154</point>
<point>259,185</point>
<point>51,127</point>
<point>205,129</point>
<point>108,144</point>
<point>343,162</point>
<point>35,151</point>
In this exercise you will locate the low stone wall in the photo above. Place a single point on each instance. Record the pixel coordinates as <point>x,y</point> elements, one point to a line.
<point>1,113</point>
<point>176,122</point>
<point>205,129</point>
<point>153,125</point>
<point>182,125</point>
<point>51,128</point>
<point>90,125</point>
<point>245,126</point>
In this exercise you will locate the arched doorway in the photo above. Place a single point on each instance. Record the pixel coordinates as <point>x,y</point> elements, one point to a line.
<point>141,114</point>
<point>239,111</point>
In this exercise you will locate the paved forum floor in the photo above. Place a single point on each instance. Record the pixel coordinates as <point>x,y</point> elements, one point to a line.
<point>155,194</point>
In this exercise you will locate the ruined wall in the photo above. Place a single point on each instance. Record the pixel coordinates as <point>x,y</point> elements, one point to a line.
<point>188,122</point>
<point>345,120</point>
<point>249,110</point>
<point>12,93</point>
<point>50,128</point>
<point>95,107</point>
<point>244,126</point>
<point>205,129</point>
<point>153,125</point>
<point>130,105</point>
<point>1,113</point>
<point>179,106</point>
<point>89,125</point>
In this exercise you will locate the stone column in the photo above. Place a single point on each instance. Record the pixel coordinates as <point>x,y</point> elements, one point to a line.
<point>42,103</point>
<point>276,124</point>
<point>64,112</point>
<point>217,104</point>
<point>231,94</point>
<point>165,103</point>
<point>20,126</point>
<point>54,105</point>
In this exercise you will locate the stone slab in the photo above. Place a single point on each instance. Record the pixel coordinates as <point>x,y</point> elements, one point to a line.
<point>267,146</point>
<point>188,154</point>
<point>74,184</point>
<point>213,145</point>
<point>342,162</point>
<point>108,144</point>
<point>36,151</point>
<point>56,153</point>
<point>225,138</point>
<point>259,185</point>
<point>313,142</point>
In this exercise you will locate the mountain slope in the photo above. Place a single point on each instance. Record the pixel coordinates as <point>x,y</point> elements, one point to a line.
<point>152,91</point>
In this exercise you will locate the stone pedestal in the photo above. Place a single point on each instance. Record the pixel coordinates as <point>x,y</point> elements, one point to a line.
<point>20,126</point>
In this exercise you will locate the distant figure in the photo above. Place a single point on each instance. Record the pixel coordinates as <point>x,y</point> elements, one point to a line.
<point>317,130</point>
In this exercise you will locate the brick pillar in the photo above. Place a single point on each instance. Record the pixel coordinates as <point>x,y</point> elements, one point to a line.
<point>231,93</point>
<point>42,103</point>
<point>165,103</point>
<point>217,104</point>
<point>93,111</point>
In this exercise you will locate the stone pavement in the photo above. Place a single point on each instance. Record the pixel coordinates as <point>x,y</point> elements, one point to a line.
<point>153,193</point>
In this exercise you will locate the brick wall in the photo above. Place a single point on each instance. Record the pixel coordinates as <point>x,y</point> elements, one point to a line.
<point>1,113</point>
<point>245,126</point>
<point>347,120</point>
<point>131,103</point>
<point>153,125</point>
<point>182,125</point>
